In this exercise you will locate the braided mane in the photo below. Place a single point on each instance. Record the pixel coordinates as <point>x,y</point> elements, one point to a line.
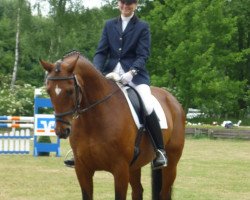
<point>71,53</point>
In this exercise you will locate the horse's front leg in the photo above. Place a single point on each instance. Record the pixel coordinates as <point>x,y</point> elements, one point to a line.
<point>85,179</point>
<point>121,179</point>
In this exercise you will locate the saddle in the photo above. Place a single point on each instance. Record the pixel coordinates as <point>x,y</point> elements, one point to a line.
<point>137,104</point>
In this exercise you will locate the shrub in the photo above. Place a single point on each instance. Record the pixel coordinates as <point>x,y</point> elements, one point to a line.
<point>18,101</point>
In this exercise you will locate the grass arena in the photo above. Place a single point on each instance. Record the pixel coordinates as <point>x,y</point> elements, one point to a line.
<point>208,170</point>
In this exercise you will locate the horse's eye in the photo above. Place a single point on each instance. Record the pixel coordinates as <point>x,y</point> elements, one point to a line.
<point>69,92</point>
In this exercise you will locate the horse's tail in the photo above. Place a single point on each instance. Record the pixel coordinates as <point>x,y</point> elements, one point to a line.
<point>156,181</point>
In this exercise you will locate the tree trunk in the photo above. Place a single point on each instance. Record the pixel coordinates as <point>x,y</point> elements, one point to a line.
<point>16,50</point>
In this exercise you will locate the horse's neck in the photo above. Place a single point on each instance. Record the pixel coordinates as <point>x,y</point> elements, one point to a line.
<point>95,86</point>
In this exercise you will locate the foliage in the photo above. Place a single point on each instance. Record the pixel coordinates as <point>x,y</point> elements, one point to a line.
<point>198,55</point>
<point>18,101</point>
<point>200,49</point>
<point>44,139</point>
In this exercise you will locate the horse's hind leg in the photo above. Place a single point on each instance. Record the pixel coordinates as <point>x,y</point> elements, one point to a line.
<point>163,179</point>
<point>168,176</point>
<point>135,182</point>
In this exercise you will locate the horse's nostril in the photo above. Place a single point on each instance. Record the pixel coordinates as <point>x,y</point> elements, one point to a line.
<point>63,133</point>
<point>57,132</point>
<point>67,131</point>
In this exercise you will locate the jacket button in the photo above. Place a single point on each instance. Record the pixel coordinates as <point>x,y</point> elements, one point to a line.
<point>120,49</point>
<point>120,38</point>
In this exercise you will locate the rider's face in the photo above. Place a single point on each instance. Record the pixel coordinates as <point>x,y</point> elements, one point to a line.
<point>126,9</point>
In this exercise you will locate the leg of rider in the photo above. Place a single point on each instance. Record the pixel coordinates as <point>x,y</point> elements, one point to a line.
<point>70,162</point>
<point>153,125</point>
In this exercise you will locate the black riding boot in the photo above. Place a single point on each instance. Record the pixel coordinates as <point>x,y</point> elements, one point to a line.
<point>70,162</point>
<point>154,128</point>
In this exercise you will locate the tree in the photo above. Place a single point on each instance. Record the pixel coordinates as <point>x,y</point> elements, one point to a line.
<point>13,80</point>
<point>196,51</point>
<point>241,71</point>
<point>7,36</point>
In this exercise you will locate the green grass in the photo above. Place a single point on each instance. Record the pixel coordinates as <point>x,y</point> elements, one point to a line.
<point>208,170</point>
<point>214,169</point>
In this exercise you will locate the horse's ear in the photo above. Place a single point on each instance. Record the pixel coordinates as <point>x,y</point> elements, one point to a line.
<point>72,65</point>
<point>47,66</point>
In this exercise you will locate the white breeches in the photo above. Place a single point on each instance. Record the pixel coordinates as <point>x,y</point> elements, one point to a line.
<point>145,93</point>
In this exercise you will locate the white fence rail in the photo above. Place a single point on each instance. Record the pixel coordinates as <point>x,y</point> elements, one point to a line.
<point>17,142</point>
<point>15,134</point>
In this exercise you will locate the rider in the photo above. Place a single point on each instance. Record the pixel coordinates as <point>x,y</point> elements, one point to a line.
<point>124,49</point>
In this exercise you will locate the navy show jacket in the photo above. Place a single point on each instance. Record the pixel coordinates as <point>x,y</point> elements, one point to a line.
<point>130,47</point>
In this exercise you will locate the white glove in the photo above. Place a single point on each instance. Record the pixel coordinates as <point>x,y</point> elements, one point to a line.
<point>126,78</point>
<point>113,76</point>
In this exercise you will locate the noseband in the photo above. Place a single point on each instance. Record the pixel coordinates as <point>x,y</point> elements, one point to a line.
<point>76,111</point>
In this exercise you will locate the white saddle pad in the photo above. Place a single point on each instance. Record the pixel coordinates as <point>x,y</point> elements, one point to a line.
<point>157,107</point>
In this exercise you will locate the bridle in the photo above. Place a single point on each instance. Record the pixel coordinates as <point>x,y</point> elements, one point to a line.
<point>77,110</point>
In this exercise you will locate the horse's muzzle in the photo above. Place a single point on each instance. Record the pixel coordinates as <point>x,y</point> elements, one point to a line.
<point>63,133</point>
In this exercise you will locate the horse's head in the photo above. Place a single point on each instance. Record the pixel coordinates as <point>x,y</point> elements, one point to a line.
<point>65,92</point>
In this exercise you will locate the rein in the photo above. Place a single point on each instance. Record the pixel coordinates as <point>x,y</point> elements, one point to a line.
<point>76,111</point>
<point>97,102</point>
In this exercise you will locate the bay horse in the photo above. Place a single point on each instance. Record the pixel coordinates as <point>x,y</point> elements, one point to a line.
<point>93,112</point>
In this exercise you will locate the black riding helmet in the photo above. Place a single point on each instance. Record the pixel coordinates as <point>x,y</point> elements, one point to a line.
<point>128,2</point>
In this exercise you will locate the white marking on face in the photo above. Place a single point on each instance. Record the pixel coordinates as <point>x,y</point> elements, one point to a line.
<point>57,90</point>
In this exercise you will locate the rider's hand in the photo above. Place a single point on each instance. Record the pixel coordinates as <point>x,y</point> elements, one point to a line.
<point>113,76</point>
<point>126,78</point>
